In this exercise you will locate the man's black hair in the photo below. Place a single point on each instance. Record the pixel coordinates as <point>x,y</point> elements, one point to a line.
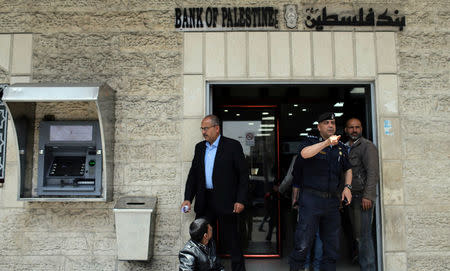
<point>350,118</point>
<point>198,228</point>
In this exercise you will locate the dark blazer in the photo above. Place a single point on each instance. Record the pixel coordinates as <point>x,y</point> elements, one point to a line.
<point>230,177</point>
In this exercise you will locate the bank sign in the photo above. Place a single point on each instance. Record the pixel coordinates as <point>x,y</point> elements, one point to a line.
<point>258,18</point>
<point>213,17</point>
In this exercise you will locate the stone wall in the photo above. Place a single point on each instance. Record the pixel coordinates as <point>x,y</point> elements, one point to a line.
<point>424,101</point>
<point>132,46</point>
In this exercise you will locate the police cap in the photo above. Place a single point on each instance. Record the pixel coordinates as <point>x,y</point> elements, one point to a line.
<point>326,116</point>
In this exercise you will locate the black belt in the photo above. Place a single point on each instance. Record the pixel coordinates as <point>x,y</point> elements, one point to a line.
<point>321,194</point>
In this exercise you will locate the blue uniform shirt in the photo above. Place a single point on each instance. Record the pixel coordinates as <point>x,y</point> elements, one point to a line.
<point>323,171</point>
<point>210,156</point>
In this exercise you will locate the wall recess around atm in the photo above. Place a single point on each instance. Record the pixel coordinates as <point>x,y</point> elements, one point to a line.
<point>65,136</point>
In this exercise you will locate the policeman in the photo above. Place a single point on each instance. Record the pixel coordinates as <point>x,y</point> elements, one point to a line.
<point>317,172</point>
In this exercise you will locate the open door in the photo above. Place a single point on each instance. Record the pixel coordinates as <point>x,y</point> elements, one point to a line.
<point>256,128</point>
<point>270,119</point>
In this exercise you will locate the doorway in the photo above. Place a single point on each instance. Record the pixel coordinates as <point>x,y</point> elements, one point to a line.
<point>270,120</point>
<point>255,127</point>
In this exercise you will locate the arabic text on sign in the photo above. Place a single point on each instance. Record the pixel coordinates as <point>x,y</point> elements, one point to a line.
<point>325,19</point>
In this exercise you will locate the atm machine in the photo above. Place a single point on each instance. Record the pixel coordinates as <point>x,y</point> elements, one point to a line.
<point>70,158</point>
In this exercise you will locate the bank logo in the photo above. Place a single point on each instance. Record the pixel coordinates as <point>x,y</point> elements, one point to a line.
<point>290,15</point>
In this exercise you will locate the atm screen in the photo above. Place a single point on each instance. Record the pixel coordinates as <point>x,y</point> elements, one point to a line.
<point>68,166</point>
<point>71,132</point>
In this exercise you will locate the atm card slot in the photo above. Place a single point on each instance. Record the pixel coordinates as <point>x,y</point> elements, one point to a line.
<point>84,181</point>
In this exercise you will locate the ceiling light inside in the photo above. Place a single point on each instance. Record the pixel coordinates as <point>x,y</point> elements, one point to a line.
<point>358,91</point>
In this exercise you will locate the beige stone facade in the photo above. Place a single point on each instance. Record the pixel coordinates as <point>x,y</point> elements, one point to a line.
<point>160,76</point>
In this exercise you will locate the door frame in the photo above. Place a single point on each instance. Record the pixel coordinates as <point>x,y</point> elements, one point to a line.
<point>378,216</point>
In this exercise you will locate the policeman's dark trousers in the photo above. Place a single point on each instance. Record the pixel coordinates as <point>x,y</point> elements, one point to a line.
<point>316,213</point>
<point>229,224</point>
<point>362,231</point>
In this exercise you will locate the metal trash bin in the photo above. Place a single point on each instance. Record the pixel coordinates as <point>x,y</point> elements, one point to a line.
<point>135,226</point>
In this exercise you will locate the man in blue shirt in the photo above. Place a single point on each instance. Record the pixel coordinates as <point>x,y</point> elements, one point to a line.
<point>317,173</point>
<point>218,180</point>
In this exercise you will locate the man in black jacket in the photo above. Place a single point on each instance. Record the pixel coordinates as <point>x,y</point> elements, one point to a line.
<point>218,180</point>
<point>199,253</point>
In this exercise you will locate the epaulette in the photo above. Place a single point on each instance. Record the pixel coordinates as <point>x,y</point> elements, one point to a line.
<point>312,138</point>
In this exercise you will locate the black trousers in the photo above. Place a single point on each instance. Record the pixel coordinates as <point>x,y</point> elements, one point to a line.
<point>228,224</point>
<point>317,213</point>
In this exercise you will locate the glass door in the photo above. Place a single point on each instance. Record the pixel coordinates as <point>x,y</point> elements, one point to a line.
<point>256,128</point>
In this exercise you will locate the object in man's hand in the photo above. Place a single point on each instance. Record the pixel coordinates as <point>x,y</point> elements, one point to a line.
<point>334,139</point>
